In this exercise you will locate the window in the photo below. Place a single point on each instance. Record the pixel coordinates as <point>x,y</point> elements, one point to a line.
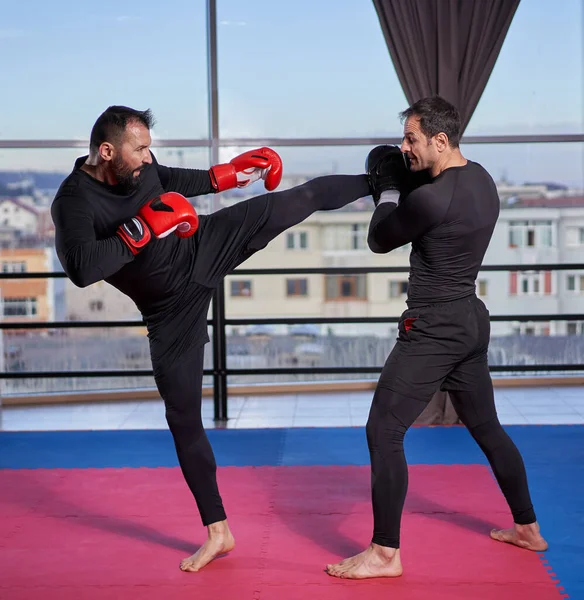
<point>346,287</point>
<point>296,287</point>
<point>530,328</point>
<point>575,283</point>
<point>528,69</point>
<point>241,287</point>
<point>297,240</point>
<point>530,234</point>
<point>359,236</point>
<point>530,283</point>
<point>482,287</point>
<point>575,236</point>
<point>20,307</point>
<point>182,24</point>
<point>348,35</point>
<point>96,306</point>
<point>398,289</point>
<point>534,283</point>
<point>14,267</point>
<point>575,327</point>
<point>346,237</point>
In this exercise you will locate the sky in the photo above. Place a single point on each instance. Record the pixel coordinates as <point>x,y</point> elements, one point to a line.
<point>308,68</point>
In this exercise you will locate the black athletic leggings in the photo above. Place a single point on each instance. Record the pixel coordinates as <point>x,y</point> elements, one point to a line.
<point>441,346</point>
<point>180,386</point>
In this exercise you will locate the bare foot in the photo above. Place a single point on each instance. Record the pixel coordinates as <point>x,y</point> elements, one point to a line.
<point>376,561</point>
<point>220,541</point>
<point>524,536</point>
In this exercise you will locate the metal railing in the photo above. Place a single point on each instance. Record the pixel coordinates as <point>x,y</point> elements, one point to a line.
<point>219,321</point>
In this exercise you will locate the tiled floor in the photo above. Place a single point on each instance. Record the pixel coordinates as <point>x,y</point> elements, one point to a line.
<point>528,406</point>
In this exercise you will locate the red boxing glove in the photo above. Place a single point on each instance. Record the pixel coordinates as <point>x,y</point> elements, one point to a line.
<point>165,214</point>
<point>246,168</point>
<point>170,212</point>
<point>135,233</point>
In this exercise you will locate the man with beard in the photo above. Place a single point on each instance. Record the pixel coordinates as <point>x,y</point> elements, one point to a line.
<point>123,218</point>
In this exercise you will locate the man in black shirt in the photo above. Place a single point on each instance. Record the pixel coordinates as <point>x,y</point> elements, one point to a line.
<point>447,207</point>
<point>123,218</point>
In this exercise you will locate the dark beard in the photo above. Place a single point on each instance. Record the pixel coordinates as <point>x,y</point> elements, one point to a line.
<point>127,183</point>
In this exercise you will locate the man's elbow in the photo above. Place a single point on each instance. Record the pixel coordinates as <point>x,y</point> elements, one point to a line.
<point>78,269</point>
<point>81,277</point>
<point>376,247</point>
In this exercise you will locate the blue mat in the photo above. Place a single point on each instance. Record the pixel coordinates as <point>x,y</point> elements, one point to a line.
<point>553,455</point>
<point>540,445</point>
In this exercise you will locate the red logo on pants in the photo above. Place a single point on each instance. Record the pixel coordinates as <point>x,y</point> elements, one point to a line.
<point>408,323</point>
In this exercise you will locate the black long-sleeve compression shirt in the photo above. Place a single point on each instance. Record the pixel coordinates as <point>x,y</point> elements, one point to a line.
<point>449,222</point>
<point>87,212</point>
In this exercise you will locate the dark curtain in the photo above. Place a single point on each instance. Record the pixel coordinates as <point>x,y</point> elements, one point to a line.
<point>445,47</point>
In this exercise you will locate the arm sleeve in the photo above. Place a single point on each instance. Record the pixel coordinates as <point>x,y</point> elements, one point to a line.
<point>188,182</point>
<point>85,259</point>
<point>393,225</point>
<point>231,235</point>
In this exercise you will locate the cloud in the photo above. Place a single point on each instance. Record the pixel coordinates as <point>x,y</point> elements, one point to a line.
<point>236,23</point>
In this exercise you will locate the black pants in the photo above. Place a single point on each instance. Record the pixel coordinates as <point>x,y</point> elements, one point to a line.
<point>180,386</point>
<point>441,346</point>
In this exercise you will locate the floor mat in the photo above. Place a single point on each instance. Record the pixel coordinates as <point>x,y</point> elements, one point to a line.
<point>109,533</point>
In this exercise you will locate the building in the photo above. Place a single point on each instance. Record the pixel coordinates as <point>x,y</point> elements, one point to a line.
<point>26,300</point>
<point>546,232</point>
<point>18,220</point>
<point>100,302</point>
<point>525,234</point>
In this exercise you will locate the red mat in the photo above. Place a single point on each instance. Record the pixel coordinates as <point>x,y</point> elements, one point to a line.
<point>120,533</point>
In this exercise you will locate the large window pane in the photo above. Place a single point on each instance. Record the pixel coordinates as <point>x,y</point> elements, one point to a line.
<point>305,69</point>
<point>560,164</point>
<point>66,62</point>
<point>537,85</point>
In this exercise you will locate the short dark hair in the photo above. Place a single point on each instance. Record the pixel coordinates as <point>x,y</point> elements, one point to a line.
<point>436,115</point>
<point>111,124</point>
